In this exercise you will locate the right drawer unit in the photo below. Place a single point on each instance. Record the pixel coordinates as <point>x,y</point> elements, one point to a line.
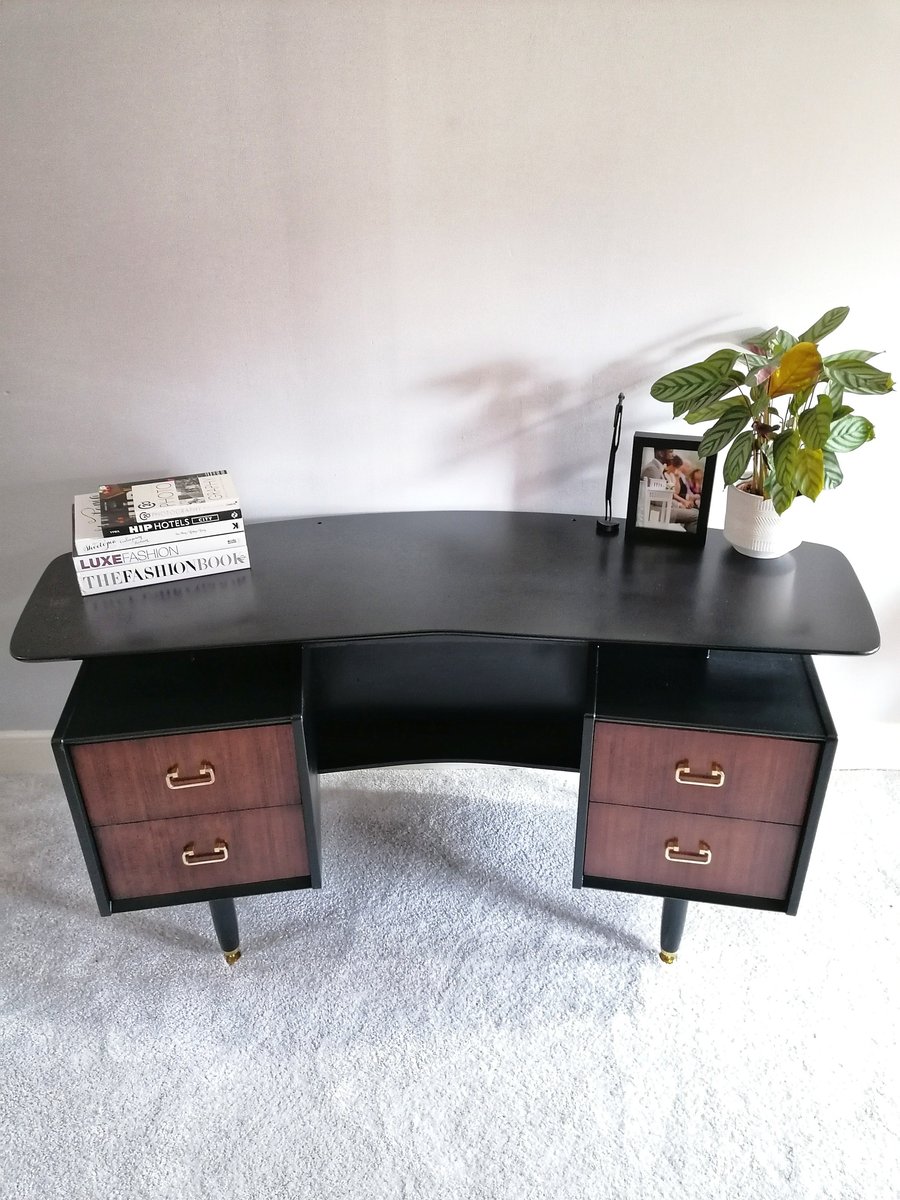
<point>698,809</point>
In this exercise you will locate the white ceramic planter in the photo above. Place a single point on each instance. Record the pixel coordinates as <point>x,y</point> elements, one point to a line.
<point>754,528</point>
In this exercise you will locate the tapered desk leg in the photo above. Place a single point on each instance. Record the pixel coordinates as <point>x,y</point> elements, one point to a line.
<point>673,915</point>
<point>225,923</point>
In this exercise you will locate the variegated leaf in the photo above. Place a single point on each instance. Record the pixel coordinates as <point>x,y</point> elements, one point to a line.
<point>781,497</point>
<point>834,476</point>
<point>738,456</point>
<point>783,342</point>
<point>786,452</point>
<point>728,426</point>
<point>760,343</point>
<point>696,382</point>
<point>815,423</point>
<point>850,356</point>
<point>826,324</point>
<point>847,433</point>
<point>809,474</point>
<point>708,412</point>
<point>862,378</point>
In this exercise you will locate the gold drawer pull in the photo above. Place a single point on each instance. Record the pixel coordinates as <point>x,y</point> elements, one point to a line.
<point>702,858</point>
<point>205,776</point>
<point>715,778</point>
<point>219,853</point>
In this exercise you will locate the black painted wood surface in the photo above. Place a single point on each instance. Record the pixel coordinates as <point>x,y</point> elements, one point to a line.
<point>533,575</point>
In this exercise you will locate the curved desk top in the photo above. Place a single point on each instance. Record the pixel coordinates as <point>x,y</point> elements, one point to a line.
<point>506,574</point>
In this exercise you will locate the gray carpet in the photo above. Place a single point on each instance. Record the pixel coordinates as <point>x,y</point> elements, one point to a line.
<point>448,1018</point>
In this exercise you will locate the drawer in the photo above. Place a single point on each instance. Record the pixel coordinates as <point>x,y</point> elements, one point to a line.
<point>764,778</point>
<point>252,767</point>
<point>144,858</point>
<point>746,858</point>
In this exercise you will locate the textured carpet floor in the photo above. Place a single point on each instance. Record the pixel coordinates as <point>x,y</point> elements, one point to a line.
<point>449,1018</point>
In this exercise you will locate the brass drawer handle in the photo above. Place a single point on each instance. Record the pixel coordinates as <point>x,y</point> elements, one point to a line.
<point>715,778</point>
<point>205,776</point>
<point>218,854</point>
<point>702,858</point>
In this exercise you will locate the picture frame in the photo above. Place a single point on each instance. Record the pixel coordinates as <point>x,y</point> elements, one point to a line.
<point>669,490</point>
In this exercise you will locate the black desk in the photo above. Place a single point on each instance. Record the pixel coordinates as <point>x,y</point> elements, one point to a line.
<point>463,636</point>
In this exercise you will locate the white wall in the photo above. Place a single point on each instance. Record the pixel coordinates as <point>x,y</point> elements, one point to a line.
<point>403,253</point>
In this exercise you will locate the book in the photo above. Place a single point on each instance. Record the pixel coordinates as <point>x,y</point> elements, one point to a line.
<point>113,579</point>
<point>208,520</point>
<point>88,536</point>
<point>128,504</point>
<point>140,556</point>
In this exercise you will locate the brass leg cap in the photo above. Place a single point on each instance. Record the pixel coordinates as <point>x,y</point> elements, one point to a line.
<point>231,956</point>
<point>667,956</point>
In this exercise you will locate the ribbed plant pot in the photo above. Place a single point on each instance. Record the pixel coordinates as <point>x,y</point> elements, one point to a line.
<point>754,528</point>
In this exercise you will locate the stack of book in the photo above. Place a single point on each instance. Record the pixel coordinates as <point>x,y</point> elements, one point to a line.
<point>128,535</point>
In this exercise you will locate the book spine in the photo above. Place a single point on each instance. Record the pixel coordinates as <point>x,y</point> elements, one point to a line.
<point>87,536</point>
<point>92,583</point>
<point>111,523</point>
<point>195,521</point>
<point>141,556</point>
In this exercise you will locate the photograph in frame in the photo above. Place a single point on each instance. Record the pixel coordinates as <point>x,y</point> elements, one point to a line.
<point>670,488</point>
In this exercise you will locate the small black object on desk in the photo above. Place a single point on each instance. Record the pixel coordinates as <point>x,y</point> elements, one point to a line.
<point>606,526</point>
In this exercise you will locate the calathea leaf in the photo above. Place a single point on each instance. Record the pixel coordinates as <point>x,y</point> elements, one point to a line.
<point>849,432</point>
<point>833,474</point>
<point>761,343</point>
<point>700,381</point>
<point>815,423</point>
<point>786,452</point>
<point>738,456</point>
<point>809,473</point>
<point>781,497</point>
<point>783,341</point>
<point>707,412</point>
<point>850,356</point>
<point>862,378</point>
<point>728,426</point>
<point>826,324</point>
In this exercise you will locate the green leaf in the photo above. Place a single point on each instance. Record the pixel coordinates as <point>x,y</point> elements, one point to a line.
<point>834,476</point>
<point>750,359</point>
<point>760,342</point>
<point>725,358</point>
<point>862,378</point>
<point>850,356</point>
<point>815,424</point>
<point>701,381</point>
<point>847,433</point>
<point>825,325</point>
<point>786,453</point>
<point>799,399</point>
<point>738,457</point>
<point>708,412</point>
<point>782,498</point>
<point>783,342</point>
<point>728,426</point>
<point>809,475</point>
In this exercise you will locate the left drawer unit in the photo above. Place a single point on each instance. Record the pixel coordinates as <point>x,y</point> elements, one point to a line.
<point>187,776</point>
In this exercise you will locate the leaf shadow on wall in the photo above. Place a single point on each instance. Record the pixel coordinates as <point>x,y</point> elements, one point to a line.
<point>552,434</point>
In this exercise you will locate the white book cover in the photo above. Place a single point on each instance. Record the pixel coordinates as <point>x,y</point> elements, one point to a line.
<point>127,504</point>
<point>88,536</point>
<point>113,579</point>
<point>141,556</point>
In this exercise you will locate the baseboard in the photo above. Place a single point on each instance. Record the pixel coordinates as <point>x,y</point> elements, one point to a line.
<point>26,752</point>
<point>870,746</point>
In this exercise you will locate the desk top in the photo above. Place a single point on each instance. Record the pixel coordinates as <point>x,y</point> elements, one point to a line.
<point>507,574</point>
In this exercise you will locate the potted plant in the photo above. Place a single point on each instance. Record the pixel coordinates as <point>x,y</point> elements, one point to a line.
<point>780,407</point>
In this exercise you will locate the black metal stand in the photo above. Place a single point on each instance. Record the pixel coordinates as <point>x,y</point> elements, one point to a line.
<point>673,916</point>
<point>225,923</point>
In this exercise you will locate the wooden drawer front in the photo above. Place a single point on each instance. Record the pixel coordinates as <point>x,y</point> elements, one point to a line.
<point>766,778</point>
<point>144,858</point>
<point>748,858</point>
<point>254,767</point>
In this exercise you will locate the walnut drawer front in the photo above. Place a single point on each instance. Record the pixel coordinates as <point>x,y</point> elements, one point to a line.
<point>763,778</point>
<point>746,858</point>
<point>145,858</point>
<point>252,767</point>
